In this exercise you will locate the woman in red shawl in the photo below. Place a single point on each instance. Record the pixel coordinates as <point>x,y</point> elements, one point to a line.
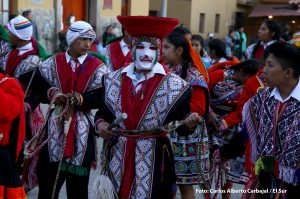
<point>12,132</point>
<point>191,152</point>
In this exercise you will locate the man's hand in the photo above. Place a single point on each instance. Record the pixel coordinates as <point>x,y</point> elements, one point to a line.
<point>101,129</point>
<point>192,120</point>
<point>54,93</point>
<point>60,100</point>
<point>74,99</point>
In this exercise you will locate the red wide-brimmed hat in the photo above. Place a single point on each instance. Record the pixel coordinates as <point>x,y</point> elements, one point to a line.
<point>138,26</point>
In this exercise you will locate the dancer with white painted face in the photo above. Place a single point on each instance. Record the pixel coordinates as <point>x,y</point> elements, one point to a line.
<point>140,162</point>
<point>191,153</point>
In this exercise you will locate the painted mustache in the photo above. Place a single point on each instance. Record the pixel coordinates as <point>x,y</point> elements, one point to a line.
<point>146,59</point>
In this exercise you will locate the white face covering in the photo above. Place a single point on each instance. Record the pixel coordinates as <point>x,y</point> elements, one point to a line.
<point>145,55</point>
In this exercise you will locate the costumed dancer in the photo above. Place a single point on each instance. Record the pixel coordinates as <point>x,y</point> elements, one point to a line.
<point>12,134</point>
<point>217,52</point>
<point>67,148</point>
<point>226,116</point>
<point>140,161</point>
<point>268,33</point>
<point>191,152</point>
<point>271,128</point>
<point>117,52</point>
<point>21,62</point>
<point>198,45</point>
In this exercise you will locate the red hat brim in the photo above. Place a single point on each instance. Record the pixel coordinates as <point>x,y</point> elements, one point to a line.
<point>148,26</point>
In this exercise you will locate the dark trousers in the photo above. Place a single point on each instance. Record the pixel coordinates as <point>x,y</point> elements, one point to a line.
<point>77,186</point>
<point>9,174</point>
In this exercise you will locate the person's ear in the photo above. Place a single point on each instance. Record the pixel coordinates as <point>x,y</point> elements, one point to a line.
<point>213,52</point>
<point>179,51</point>
<point>289,73</point>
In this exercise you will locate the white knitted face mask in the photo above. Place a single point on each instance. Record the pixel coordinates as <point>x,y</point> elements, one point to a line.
<point>145,55</point>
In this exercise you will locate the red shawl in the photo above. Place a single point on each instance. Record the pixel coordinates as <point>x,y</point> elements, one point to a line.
<point>223,65</point>
<point>129,103</point>
<point>14,58</point>
<point>74,82</point>
<point>117,57</point>
<point>12,86</point>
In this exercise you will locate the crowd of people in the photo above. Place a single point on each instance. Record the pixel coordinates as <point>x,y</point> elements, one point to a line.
<point>172,110</point>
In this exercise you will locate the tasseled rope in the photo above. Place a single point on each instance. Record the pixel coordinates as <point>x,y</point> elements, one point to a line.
<point>35,144</point>
<point>103,188</point>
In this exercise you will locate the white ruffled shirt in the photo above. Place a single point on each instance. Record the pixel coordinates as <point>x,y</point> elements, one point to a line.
<point>138,78</point>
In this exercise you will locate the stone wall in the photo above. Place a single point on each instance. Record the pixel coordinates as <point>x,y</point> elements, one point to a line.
<point>45,21</point>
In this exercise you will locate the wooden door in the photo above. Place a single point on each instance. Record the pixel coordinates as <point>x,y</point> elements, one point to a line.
<point>124,9</point>
<point>76,8</point>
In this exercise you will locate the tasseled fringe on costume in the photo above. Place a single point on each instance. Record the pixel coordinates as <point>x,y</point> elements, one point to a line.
<point>103,188</point>
<point>248,163</point>
<point>74,169</point>
<point>218,177</point>
<point>251,144</point>
<point>252,184</point>
<point>287,175</point>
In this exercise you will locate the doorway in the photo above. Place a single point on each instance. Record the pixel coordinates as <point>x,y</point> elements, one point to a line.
<point>72,11</point>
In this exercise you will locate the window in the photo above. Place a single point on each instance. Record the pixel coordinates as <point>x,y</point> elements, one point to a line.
<point>124,9</point>
<point>5,11</point>
<point>107,4</point>
<point>239,19</point>
<point>202,23</point>
<point>217,23</point>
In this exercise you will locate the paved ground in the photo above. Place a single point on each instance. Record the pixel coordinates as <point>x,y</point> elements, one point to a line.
<point>94,173</point>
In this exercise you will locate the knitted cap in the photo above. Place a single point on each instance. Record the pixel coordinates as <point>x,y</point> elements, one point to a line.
<point>21,27</point>
<point>80,29</point>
